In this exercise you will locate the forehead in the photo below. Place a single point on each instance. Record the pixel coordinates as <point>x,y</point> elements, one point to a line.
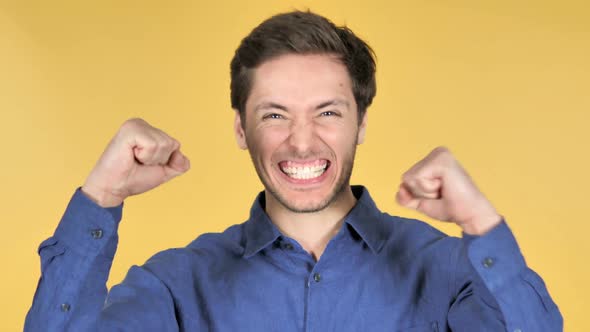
<point>300,79</point>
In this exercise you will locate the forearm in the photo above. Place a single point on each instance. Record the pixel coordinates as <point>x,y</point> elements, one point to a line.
<point>519,292</point>
<point>75,264</point>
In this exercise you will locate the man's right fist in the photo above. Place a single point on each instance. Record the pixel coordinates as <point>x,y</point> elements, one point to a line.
<point>139,158</point>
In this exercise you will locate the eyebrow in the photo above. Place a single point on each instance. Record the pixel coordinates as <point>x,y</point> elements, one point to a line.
<point>269,105</point>
<point>272,105</point>
<point>333,102</point>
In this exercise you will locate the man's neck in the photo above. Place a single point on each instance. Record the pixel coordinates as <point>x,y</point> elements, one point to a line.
<point>312,230</point>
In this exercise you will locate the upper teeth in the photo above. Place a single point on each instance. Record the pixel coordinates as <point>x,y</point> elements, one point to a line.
<point>306,172</point>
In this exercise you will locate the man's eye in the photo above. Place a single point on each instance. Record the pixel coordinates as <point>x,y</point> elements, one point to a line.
<point>329,113</point>
<point>272,116</point>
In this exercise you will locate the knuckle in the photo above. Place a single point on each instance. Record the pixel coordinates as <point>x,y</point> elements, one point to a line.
<point>132,125</point>
<point>443,156</point>
<point>166,146</point>
<point>410,181</point>
<point>170,143</point>
<point>406,177</point>
<point>442,150</point>
<point>133,122</point>
<point>175,144</point>
<point>151,146</point>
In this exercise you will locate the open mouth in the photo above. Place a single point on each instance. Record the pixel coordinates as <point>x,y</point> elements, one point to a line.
<point>305,170</point>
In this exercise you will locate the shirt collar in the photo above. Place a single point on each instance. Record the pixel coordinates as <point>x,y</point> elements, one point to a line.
<point>259,230</point>
<point>364,218</point>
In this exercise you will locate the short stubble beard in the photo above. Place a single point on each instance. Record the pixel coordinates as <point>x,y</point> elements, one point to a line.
<point>341,186</point>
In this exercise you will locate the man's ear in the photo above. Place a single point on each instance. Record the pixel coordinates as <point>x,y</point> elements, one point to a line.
<point>362,129</point>
<point>239,131</point>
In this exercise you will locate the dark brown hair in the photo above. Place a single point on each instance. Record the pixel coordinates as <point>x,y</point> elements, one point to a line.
<point>303,33</point>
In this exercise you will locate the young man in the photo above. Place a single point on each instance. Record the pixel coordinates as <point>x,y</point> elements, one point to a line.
<point>316,254</point>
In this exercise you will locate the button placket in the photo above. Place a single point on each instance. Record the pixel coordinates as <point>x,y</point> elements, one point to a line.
<point>317,277</point>
<point>314,278</point>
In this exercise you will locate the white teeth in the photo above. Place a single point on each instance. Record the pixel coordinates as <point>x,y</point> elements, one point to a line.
<point>304,173</point>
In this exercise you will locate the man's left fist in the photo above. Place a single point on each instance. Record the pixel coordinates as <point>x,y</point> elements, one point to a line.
<point>441,189</point>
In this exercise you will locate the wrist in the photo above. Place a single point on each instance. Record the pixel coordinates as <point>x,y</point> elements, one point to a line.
<point>481,225</point>
<point>100,197</point>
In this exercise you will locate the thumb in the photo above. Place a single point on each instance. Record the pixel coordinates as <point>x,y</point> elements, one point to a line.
<point>177,164</point>
<point>433,208</point>
<point>405,198</point>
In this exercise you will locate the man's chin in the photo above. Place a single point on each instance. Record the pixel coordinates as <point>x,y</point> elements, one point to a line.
<point>305,208</point>
<point>305,205</point>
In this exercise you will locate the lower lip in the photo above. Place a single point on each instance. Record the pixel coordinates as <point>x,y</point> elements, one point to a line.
<point>307,181</point>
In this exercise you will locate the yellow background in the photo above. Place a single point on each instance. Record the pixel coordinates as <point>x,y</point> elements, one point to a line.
<point>504,84</point>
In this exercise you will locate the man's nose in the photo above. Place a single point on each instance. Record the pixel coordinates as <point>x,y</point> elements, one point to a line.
<point>302,136</point>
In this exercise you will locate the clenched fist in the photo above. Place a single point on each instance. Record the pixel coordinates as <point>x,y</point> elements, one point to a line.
<point>441,189</point>
<point>139,158</point>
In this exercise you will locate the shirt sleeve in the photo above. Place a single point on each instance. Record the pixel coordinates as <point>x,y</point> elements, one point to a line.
<point>75,264</point>
<point>496,282</point>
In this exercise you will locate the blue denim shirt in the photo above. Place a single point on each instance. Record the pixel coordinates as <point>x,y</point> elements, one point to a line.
<point>379,273</point>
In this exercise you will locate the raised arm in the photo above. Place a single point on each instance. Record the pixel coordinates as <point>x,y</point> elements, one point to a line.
<point>76,260</point>
<point>494,287</point>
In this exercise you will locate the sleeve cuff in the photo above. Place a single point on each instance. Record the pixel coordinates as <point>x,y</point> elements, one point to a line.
<point>495,256</point>
<point>87,227</point>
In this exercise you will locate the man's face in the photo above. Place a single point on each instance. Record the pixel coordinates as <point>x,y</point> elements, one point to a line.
<point>301,129</point>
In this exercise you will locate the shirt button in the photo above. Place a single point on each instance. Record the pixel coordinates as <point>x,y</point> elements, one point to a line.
<point>65,307</point>
<point>317,277</point>
<point>96,233</point>
<point>487,263</point>
<point>518,330</point>
<point>288,246</point>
